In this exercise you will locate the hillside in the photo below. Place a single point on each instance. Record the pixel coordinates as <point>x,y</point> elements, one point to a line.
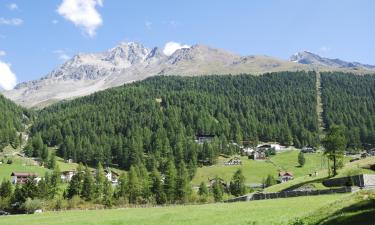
<point>349,100</point>
<point>157,120</point>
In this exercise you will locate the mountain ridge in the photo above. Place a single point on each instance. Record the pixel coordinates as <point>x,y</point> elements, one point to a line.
<point>86,73</point>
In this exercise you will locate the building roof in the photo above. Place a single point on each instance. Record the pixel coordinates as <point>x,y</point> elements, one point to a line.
<point>18,174</point>
<point>285,173</point>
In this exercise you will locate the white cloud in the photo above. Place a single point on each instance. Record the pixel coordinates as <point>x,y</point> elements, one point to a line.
<point>12,21</point>
<point>148,25</point>
<point>63,56</point>
<point>83,14</point>
<point>171,47</point>
<point>324,49</point>
<point>13,6</point>
<point>8,79</point>
<point>2,53</point>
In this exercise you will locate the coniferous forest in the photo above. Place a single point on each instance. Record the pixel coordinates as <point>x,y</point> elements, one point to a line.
<point>154,121</point>
<point>12,118</point>
<point>349,101</point>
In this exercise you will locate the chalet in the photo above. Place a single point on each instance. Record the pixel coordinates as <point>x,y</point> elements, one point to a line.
<point>247,151</point>
<point>307,149</point>
<point>285,176</point>
<point>234,161</point>
<point>200,139</point>
<point>111,175</point>
<point>276,146</point>
<point>258,155</point>
<point>21,178</point>
<point>66,176</point>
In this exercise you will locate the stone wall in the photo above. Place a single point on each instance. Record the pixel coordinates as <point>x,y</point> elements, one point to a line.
<point>362,180</point>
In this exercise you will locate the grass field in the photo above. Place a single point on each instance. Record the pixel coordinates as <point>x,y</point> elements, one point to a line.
<point>266,212</point>
<point>356,209</point>
<point>255,171</point>
<point>20,165</point>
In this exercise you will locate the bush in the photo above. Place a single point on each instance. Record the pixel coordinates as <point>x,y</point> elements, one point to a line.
<point>10,161</point>
<point>31,205</point>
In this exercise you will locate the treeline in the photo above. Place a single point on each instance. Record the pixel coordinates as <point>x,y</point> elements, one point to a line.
<point>92,189</point>
<point>349,101</point>
<point>12,118</point>
<point>152,121</point>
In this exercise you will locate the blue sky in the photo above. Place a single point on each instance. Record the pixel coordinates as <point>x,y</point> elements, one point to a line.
<point>36,36</point>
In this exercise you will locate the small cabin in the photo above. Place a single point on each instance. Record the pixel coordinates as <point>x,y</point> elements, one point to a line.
<point>221,181</point>
<point>234,161</point>
<point>285,176</point>
<point>21,178</point>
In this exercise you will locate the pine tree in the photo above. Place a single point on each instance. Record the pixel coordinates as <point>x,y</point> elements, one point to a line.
<point>55,181</point>
<point>88,188</point>
<point>122,186</point>
<point>334,143</point>
<point>170,181</point>
<point>217,190</point>
<point>6,189</point>
<point>301,159</point>
<point>157,187</point>
<point>203,191</point>
<point>75,185</point>
<point>237,184</point>
<point>134,188</point>
<point>183,188</point>
<point>99,181</point>
<point>107,193</point>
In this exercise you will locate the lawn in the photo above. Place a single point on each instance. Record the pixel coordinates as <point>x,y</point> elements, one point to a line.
<point>266,212</point>
<point>255,171</point>
<point>20,165</point>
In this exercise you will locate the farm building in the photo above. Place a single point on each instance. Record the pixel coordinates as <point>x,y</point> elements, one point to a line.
<point>258,155</point>
<point>201,138</point>
<point>285,176</point>
<point>21,178</point>
<point>234,161</point>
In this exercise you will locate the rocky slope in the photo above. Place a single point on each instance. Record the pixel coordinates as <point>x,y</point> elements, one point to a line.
<point>128,62</point>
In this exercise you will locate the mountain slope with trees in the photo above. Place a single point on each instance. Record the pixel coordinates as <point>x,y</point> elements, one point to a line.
<point>156,120</point>
<point>349,101</point>
<point>12,118</point>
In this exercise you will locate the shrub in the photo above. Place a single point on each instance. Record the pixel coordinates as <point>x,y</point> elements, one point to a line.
<point>32,204</point>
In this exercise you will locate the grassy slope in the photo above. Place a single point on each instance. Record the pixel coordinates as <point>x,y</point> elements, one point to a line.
<point>349,169</point>
<point>255,171</point>
<point>358,208</point>
<point>267,212</point>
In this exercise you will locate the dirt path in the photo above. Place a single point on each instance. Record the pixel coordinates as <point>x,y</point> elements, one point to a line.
<point>319,104</point>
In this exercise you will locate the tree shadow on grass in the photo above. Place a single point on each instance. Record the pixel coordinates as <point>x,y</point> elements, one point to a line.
<point>361,213</point>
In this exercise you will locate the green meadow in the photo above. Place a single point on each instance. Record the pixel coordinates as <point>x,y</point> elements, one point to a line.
<point>265,212</point>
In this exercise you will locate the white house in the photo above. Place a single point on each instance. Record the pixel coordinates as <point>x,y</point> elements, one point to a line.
<point>285,176</point>
<point>21,178</point>
<point>66,176</point>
